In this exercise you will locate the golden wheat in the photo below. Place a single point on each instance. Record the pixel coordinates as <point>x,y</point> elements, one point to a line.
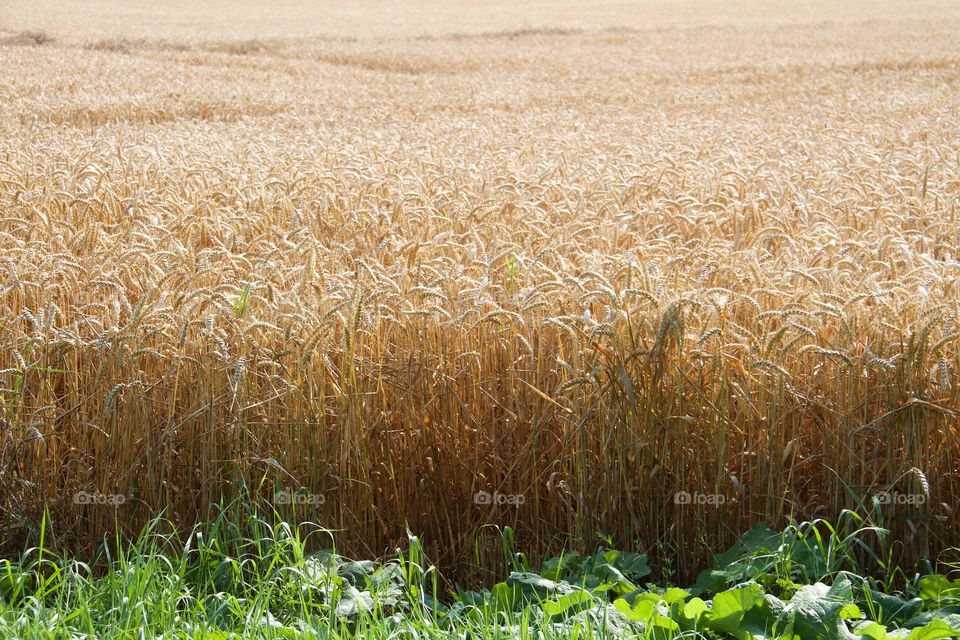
<point>591,266</point>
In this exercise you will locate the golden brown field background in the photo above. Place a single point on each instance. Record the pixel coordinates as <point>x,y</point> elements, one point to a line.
<point>590,254</point>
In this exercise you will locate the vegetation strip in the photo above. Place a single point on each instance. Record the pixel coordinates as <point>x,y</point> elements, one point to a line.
<point>257,580</point>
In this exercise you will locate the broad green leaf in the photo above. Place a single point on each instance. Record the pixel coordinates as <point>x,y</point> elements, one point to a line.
<point>888,608</point>
<point>664,626</point>
<point>871,630</point>
<point>525,587</point>
<point>387,575</point>
<point>695,608</point>
<point>934,631</point>
<point>713,580</point>
<point>675,594</point>
<point>354,601</point>
<point>475,598</point>
<point>557,568</point>
<point>504,596</point>
<point>817,611</point>
<point>748,557</point>
<point>949,616</point>
<point>605,619</point>
<point>321,569</point>
<point>729,608</point>
<point>531,581</point>
<point>357,573</point>
<point>935,589</point>
<point>607,573</point>
<point>850,612</point>
<point>760,622</point>
<point>758,540</point>
<point>653,615</point>
<point>632,565</point>
<point>641,610</point>
<point>565,603</point>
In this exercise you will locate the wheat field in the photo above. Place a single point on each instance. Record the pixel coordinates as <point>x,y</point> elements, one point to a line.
<point>581,256</point>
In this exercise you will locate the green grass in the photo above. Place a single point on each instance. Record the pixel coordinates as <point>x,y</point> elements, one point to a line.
<point>253,578</point>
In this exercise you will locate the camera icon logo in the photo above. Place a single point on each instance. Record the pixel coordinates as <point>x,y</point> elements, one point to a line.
<point>897,498</point>
<point>300,497</point>
<point>97,498</point>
